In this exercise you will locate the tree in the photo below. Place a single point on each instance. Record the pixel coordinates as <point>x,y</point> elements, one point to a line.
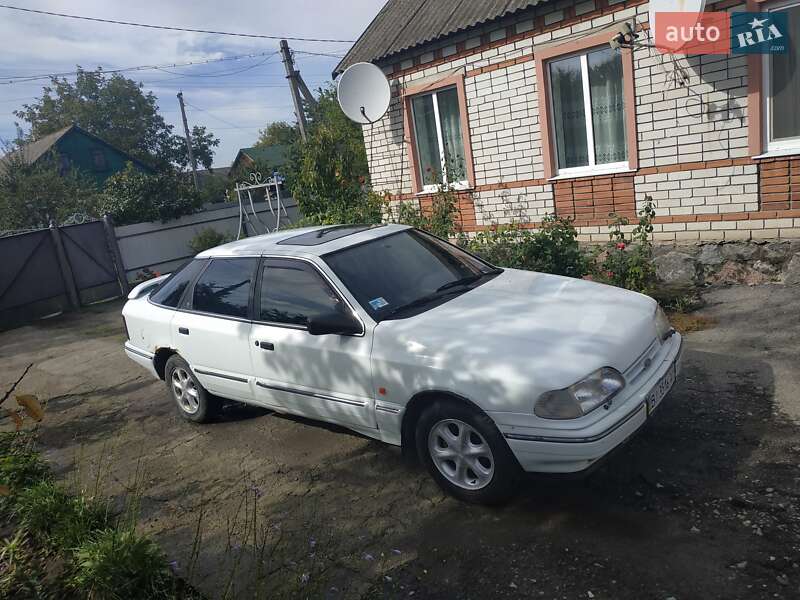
<point>330,171</point>
<point>203,144</point>
<point>277,133</point>
<point>116,109</point>
<point>32,195</point>
<point>133,197</point>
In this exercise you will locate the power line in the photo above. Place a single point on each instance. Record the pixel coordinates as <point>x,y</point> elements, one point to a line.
<point>27,78</point>
<point>220,119</point>
<point>186,29</point>
<point>219,74</point>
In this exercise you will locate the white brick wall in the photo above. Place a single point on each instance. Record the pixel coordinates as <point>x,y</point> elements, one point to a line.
<point>688,110</point>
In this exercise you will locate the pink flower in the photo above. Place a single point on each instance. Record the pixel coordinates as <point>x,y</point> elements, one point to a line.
<point>620,245</point>
<point>609,273</point>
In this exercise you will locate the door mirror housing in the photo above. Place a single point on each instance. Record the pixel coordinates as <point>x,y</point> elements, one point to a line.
<point>334,323</point>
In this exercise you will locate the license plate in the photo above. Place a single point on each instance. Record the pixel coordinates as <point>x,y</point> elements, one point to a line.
<point>661,389</point>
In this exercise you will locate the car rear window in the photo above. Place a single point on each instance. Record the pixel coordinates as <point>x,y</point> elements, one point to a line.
<point>170,292</point>
<point>224,287</point>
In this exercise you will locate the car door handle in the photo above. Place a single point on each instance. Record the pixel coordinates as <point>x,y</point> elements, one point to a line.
<point>266,345</point>
<point>183,330</point>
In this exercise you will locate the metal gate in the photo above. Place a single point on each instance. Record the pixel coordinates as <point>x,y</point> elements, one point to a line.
<point>52,270</point>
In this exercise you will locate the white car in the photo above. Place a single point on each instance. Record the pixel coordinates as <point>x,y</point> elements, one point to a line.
<point>396,334</point>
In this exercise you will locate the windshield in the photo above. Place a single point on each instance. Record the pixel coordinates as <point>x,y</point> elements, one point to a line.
<point>406,272</point>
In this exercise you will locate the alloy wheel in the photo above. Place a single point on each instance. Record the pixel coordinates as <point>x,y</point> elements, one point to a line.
<point>461,454</point>
<point>185,391</point>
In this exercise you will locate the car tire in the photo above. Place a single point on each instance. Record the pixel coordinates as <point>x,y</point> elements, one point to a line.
<point>465,453</point>
<point>194,403</point>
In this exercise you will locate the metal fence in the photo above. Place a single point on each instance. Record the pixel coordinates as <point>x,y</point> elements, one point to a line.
<point>51,270</point>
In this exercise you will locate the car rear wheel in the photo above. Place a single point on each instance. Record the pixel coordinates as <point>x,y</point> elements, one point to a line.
<point>465,453</point>
<point>193,401</point>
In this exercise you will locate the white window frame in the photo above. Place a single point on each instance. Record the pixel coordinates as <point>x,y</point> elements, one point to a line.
<point>785,145</point>
<point>427,188</point>
<point>592,168</point>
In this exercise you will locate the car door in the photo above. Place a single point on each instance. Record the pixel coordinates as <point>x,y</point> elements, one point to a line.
<point>212,329</point>
<point>325,377</point>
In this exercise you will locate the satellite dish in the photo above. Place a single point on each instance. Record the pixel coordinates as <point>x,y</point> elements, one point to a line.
<point>684,6</point>
<point>364,93</point>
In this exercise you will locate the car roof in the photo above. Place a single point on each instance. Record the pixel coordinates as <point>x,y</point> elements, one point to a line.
<point>280,242</point>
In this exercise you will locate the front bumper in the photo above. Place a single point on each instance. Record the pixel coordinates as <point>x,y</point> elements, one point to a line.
<point>575,450</point>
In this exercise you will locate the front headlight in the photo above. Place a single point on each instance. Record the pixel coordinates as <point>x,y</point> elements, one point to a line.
<point>663,326</point>
<point>580,398</point>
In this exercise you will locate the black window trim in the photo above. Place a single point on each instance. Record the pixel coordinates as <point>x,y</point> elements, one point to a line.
<point>185,304</point>
<point>334,287</point>
<point>189,286</point>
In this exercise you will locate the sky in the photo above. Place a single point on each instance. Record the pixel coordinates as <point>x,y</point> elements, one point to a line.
<point>233,99</point>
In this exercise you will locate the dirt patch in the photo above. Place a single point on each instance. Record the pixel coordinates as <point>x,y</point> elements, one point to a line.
<point>702,503</point>
<point>690,322</point>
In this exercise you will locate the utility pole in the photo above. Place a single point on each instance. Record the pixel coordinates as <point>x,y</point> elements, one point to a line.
<point>296,87</point>
<point>188,142</point>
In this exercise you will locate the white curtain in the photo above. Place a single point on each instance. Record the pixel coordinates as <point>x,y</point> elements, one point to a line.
<point>569,116</point>
<point>608,106</point>
<point>450,119</point>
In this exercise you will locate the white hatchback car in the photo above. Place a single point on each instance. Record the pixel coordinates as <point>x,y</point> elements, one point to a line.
<point>396,334</point>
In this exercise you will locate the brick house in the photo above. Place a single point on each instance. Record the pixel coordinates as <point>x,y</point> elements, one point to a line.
<point>526,109</point>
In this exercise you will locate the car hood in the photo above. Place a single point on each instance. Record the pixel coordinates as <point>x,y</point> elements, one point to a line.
<point>524,324</point>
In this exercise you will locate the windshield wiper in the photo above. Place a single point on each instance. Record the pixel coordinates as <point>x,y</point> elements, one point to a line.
<point>459,282</point>
<point>468,279</point>
<point>421,301</point>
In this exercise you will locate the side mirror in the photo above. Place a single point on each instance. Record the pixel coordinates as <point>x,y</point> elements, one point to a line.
<point>334,322</point>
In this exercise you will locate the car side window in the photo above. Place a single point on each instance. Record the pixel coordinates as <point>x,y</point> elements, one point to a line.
<point>292,291</point>
<point>224,287</point>
<point>170,292</point>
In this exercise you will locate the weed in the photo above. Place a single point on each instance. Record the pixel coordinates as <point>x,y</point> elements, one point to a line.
<point>118,564</point>
<point>20,467</point>
<point>21,573</point>
<point>57,519</point>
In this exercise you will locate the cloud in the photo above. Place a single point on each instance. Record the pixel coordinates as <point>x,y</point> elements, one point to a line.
<point>235,105</point>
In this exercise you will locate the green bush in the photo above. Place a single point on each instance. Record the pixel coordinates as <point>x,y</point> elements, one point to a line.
<point>627,261</point>
<point>119,565</point>
<point>438,219</point>
<point>552,248</point>
<point>131,196</point>
<point>55,518</point>
<point>208,238</point>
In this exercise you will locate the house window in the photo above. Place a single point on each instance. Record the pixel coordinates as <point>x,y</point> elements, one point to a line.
<point>99,160</point>
<point>440,155</point>
<point>587,105</point>
<point>782,88</point>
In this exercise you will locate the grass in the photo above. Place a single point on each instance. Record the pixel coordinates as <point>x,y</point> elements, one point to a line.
<point>68,545</point>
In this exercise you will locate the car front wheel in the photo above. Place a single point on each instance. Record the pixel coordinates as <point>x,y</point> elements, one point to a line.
<point>193,401</point>
<point>466,453</point>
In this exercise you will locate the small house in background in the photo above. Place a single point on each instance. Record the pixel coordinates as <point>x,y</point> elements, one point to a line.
<point>76,148</point>
<point>258,159</point>
<point>263,160</point>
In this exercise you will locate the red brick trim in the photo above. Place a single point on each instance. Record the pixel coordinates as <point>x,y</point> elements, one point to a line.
<point>596,197</point>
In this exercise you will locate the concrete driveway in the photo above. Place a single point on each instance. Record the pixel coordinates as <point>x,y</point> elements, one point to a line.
<point>702,504</point>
